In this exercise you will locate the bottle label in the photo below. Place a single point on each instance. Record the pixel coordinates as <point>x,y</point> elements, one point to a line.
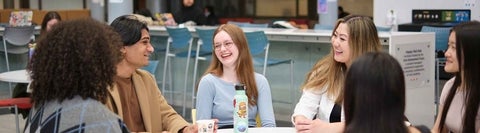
<point>241,117</point>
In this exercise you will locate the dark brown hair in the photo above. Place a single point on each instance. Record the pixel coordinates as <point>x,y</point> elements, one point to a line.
<point>49,16</point>
<point>75,58</point>
<point>374,93</point>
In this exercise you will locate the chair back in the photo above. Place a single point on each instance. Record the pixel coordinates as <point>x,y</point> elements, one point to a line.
<point>206,39</point>
<point>239,24</point>
<point>179,37</point>
<point>257,41</point>
<point>152,66</point>
<point>323,27</point>
<point>18,36</point>
<point>383,29</point>
<point>249,25</point>
<point>441,36</point>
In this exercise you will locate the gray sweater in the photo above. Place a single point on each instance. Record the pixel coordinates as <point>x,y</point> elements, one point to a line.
<point>74,115</point>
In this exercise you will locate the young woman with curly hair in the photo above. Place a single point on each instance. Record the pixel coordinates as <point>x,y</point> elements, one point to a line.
<point>71,69</point>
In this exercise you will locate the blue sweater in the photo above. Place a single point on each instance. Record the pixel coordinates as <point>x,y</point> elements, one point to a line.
<point>215,100</point>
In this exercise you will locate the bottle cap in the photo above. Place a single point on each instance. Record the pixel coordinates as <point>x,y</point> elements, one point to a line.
<point>239,87</point>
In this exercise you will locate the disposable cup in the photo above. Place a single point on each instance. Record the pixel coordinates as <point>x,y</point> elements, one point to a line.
<point>205,126</point>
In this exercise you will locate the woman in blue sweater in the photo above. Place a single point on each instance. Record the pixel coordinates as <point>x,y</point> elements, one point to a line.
<point>232,64</point>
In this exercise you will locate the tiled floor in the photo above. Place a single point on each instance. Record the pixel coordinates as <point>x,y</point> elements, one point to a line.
<point>7,122</point>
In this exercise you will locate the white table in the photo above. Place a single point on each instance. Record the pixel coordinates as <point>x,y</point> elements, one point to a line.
<point>18,76</point>
<point>263,130</point>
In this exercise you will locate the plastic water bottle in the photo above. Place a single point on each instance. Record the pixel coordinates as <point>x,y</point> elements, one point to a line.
<point>240,114</point>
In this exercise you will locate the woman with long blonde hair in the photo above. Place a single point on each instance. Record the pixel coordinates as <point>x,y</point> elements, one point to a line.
<point>352,36</point>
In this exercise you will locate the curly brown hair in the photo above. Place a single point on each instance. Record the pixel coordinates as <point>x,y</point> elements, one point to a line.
<point>76,58</point>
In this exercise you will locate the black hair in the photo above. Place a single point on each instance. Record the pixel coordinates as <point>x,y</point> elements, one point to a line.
<point>374,95</point>
<point>468,57</point>
<point>49,16</point>
<point>129,28</point>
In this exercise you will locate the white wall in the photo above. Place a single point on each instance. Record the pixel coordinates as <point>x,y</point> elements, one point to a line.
<point>403,8</point>
<point>57,4</point>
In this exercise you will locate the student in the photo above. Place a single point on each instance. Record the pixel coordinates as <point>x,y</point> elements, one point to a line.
<point>460,98</point>
<point>135,96</point>
<point>374,96</point>
<point>211,17</point>
<point>20,90</point>
<point>147,13</point>
<point>341,12</point>
<point>352,36</point>
<point>50,19</point>
<point>231,64</point>
<point>71,69</point>
<point>189,12</point>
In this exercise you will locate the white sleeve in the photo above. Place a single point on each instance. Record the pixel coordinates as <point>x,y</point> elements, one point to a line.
<point>307,105</point>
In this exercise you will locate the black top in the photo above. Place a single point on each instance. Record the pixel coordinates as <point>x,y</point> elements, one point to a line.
<point>336,114</point>
<point>239,87</point>
<point>192,13</point>
<point>423,129</point>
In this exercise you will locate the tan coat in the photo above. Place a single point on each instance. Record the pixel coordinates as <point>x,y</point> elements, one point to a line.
<point>157,114</point>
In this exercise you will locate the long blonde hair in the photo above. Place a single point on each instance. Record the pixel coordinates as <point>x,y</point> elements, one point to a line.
<point>363,37</point>
<point>244,69</point>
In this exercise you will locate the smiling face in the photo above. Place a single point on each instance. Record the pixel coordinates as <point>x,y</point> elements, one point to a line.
<point>451,64</point>
<point>225,49</point>
<point>340,44</point>
<point>137,54</point>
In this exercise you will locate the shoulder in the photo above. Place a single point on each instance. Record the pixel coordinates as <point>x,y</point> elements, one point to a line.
<point>446,88</point>
<point>144,75</point>
<point>259,77</point>
<point>317,91</point>
<point>208,78</point>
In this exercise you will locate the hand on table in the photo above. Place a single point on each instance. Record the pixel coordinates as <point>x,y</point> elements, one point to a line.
<point>194,128</point>
<point>304,125</point>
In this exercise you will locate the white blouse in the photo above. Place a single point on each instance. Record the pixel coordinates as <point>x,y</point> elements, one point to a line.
<point>315,103</point>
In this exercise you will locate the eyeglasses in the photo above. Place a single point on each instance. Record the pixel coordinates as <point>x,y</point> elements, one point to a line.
<point>227,45</point>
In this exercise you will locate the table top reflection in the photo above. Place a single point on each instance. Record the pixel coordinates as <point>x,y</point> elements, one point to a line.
<point>18,76</point>
<point>263,130</point>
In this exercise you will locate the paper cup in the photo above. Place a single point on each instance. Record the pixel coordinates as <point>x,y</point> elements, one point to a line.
<point>205,126</point>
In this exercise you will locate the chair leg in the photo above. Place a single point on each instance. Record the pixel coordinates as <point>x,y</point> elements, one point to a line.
<point>17,122</point>
<point>170,81</point>
<point>185,86</point>
<point>292,91</point>
<point>8,66</point>
<point>164,74</point>
<point>193,80</point>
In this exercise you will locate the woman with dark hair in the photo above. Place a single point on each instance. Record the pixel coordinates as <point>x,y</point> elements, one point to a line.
<point>352,36</point>
<point>460,98</point>
<point>147,13</point>
<point>71,69</point>
<point>232,64</point>
<point>50,19</point>
<point>375,104</point>
<point>135,96</point>
<point>189,12</point>
<point>211,17</point>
